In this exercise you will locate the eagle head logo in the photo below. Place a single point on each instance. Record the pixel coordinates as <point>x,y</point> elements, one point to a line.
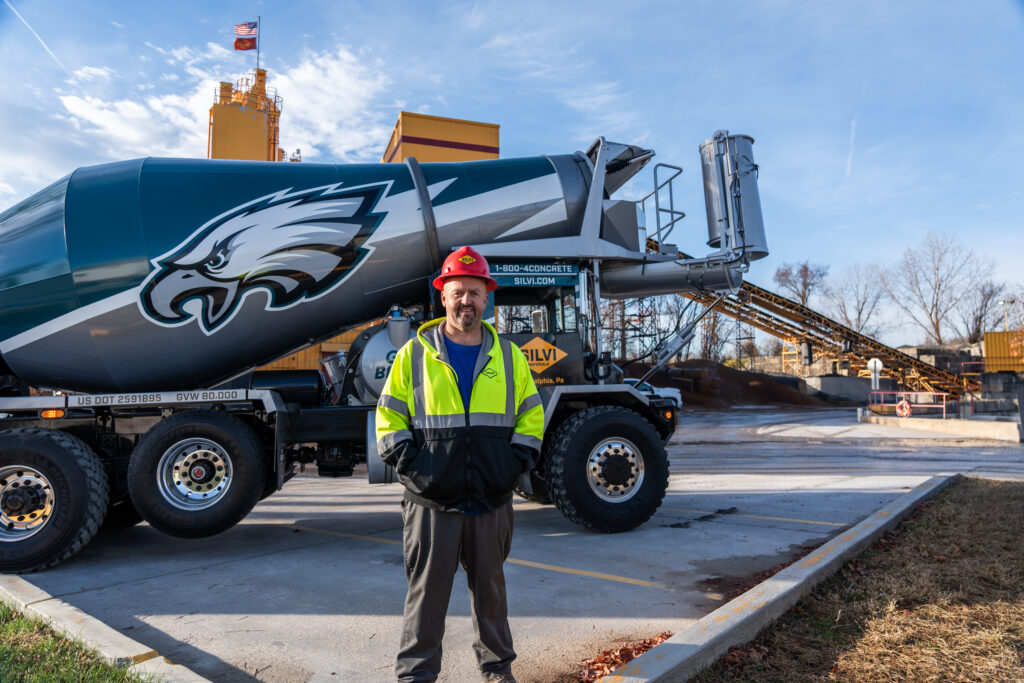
<point>295,246</point>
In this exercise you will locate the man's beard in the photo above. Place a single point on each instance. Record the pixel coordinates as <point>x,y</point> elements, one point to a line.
<point>466,317</point>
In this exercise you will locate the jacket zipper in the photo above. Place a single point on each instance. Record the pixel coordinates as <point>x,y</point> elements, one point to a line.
<point>465,432</point>
<point>465,407</point>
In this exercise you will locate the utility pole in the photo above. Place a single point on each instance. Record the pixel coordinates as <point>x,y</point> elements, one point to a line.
<point>1006,314</point>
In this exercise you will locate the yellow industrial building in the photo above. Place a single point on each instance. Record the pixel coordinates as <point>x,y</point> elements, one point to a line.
<point>245,124</point>
<point>435,138</point>
<point>1004,351</point>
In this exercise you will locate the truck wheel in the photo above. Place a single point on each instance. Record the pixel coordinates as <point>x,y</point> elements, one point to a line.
<point>540,491</point>
<point>196,473</point>
<point>607,469</point>
<point>53,495</point>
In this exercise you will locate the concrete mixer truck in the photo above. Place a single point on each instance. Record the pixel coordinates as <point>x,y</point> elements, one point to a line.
<point>138,297</point>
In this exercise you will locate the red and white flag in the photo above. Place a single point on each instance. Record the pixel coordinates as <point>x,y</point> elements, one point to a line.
<point>249,28</point>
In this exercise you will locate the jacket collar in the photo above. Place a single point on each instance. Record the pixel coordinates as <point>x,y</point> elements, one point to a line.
<point>432,337</point>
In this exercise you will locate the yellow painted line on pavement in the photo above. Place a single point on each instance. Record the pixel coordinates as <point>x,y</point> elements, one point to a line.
<point>584,572</point>
<point>773,519</point>
<point>511,560</point>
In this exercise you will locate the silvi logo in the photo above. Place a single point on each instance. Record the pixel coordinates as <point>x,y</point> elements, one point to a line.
<point>541,355</point>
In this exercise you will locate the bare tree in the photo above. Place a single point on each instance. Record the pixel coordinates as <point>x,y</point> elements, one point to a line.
<point>801,279</point>
<point>854,297</point>
<point>714,335</point>
<point>674,312</point>
<point>614,327</point>
<point>513,319</point>
<point>979,311</point>
<point>772,347</point>
<point>929,282</point>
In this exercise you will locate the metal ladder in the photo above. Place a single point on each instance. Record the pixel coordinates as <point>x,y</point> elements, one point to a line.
<point>665,217</point>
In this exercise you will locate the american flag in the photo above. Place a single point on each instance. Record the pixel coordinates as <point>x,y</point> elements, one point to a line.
<point>246,29</point>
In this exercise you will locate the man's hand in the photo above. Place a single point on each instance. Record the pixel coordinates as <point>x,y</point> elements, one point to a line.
<point>401,449</point>
<point>526,455</point>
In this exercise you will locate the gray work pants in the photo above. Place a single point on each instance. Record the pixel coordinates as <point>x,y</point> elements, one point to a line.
<point>435,543</point>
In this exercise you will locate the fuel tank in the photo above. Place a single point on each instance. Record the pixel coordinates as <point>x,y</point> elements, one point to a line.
<point>163,274</point>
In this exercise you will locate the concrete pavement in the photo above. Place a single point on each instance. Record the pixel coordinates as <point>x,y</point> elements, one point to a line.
<point>310,585</point>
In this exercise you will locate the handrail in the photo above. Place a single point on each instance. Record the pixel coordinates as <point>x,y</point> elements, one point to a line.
<point>662,232</point>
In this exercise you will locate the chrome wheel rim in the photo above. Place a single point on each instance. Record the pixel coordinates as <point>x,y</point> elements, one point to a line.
<point>615,470</point>
<point>26,502</point>
<point>194,474</point>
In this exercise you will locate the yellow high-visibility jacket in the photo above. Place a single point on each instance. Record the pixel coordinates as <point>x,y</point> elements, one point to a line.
<point>450,456</point>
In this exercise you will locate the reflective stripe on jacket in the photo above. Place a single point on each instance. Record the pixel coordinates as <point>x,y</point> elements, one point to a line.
<point>450,456</point>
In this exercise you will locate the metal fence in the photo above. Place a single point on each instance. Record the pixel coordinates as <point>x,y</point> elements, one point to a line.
<point>920,403</point>
<point>992,364</point>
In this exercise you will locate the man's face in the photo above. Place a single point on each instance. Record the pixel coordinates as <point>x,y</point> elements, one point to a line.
<point>464,299</point>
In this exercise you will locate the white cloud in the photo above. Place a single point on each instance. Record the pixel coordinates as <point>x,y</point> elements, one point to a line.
<point>27,168</point>
<point>93,73</point>
<point>173,123</point>
<point>853,137</point>
<point>157,125</point>
<point>545,58</point>
<point>116,24</point>
<point>603,107</point>
<point>334,108</point>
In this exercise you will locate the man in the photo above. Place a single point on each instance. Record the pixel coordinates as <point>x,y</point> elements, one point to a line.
<point>460,420</point>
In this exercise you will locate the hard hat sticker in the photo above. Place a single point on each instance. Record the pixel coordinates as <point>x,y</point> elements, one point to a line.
<point>541,355</point>
<point>467,259</point>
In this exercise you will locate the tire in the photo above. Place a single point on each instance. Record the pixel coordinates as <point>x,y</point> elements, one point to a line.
<point>66,508</point>
<point>607,469</point>
<point>540,490</point>
<point>196,473</point>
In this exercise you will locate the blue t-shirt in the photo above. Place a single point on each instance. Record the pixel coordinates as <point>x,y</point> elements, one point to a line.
<point>463,360</point>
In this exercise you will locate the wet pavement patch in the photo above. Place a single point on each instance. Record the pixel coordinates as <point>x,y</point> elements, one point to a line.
<point>730,583</point>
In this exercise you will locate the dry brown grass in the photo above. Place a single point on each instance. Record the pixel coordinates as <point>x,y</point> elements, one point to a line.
<point>941,598</point>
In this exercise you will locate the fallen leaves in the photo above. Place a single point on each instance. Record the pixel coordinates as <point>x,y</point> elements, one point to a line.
<point>609,660</point>
<point>937,598</point>
<point>751,653</point>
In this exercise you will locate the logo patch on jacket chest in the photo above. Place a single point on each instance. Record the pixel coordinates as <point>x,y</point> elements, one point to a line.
<point>490,373</point>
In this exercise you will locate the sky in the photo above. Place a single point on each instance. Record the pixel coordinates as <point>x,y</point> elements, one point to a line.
<point>874,122</point>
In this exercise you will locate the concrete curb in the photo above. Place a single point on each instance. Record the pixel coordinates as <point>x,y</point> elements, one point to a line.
<point>113,646</point>
<point>965,429</point>
<point>740,620</point>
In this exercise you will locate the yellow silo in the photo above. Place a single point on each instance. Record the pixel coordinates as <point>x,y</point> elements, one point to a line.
<point>245,120</point>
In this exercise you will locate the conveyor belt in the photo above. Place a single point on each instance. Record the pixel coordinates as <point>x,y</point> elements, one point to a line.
<point>788,320</point>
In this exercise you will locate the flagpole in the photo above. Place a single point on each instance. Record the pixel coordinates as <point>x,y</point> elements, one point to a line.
<point>257,41</point>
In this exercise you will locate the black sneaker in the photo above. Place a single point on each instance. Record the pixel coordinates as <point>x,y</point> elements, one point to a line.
<point>499,678</point>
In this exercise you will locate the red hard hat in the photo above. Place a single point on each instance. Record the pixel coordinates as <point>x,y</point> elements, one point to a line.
<point>465,262</point>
